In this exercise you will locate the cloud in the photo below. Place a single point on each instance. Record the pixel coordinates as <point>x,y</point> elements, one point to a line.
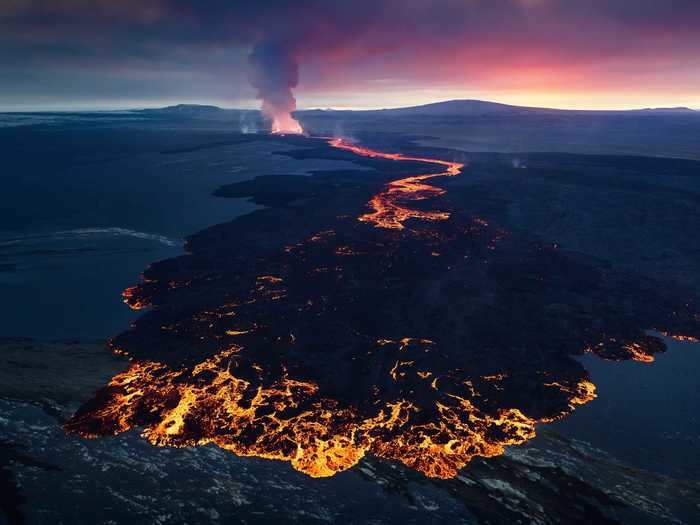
<point>499,43</point>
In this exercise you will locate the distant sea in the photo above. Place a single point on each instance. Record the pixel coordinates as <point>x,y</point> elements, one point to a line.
<point>89,200</point>
<point>80,221</point>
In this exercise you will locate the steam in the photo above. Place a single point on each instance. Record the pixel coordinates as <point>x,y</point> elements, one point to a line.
<point>517,164</point>
<point>274,73</point>
<point>247,123</point>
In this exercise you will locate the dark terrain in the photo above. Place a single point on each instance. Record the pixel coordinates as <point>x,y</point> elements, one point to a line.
<point>457,333</point>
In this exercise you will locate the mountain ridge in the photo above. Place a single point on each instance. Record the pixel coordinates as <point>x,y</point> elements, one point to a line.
<point>472,107</point>
<point>456,107</point>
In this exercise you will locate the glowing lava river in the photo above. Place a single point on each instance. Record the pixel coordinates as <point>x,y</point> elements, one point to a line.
<point>428,337</point>
<point>389,208</point>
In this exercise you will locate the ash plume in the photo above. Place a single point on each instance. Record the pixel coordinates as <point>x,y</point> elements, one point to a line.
<point>274,72</point>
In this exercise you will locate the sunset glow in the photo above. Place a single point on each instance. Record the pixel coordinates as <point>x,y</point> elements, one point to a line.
<point>575,55</point>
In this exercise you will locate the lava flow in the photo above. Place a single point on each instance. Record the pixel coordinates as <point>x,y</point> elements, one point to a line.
<point>428,346</point>
<point>390,207</point>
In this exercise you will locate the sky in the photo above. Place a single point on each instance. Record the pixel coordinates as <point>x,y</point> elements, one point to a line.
<point>584,54</point>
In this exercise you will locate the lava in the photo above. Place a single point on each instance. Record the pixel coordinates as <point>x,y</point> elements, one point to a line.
<point>639,353</point>
<point>130,298</point>
<point>285,124</point>
<point>680,337</point>
<point>340,340</point>
<point>390,208</point>
<point>290,420</point>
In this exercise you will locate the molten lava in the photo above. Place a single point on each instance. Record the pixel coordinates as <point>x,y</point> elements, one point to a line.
<point>391,206</point>
<point>285,124</point>
<point>429,346</point>
<point>291,420</point>
<point>680,337</point>
<point>130,298</point>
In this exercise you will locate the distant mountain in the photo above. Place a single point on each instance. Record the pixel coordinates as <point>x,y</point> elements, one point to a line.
<point>465,108</point>
<point>475,108</point>
<point>189,110</point>
<point>665,110</point>
<point>450,108</point>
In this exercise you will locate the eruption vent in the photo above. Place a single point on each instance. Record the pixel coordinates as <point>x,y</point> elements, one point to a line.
<point>274,73</point>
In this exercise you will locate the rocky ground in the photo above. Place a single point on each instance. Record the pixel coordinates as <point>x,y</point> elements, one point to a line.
<point>48,476</point>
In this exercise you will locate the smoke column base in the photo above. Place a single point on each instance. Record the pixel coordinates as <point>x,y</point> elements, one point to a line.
<point>286,125</point>
<point>274,74</point>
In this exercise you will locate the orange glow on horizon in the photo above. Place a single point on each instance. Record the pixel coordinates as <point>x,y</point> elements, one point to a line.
<point>564,100</point>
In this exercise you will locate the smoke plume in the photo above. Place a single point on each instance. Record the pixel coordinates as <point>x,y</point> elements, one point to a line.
<point>274,73</point>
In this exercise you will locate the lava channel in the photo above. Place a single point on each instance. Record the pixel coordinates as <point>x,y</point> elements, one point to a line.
<point>390,207</point>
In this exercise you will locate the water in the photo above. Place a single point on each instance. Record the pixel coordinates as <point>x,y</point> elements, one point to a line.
<point>85,209</point>
<point>646,413</point>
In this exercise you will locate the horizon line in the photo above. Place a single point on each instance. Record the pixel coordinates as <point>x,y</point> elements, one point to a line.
<point>166,104</point>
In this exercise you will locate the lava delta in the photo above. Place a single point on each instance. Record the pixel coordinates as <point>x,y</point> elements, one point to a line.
<point>419,333</point>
